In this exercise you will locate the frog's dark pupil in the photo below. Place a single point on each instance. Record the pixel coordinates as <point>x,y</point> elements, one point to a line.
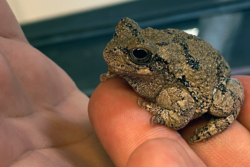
<point>140,56</point>
<point>139,53</point>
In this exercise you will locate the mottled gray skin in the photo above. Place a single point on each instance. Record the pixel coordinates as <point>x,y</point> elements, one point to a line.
<point>181,75</point>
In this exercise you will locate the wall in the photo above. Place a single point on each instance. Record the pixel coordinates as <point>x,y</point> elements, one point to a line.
<point>28,11</point>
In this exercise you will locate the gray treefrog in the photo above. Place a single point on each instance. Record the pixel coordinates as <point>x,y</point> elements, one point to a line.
<point>180,75</point>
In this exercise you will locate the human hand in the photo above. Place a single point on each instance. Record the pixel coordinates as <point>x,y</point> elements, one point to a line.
<point>43,117</point>
<point>44,120</point>
<point>130,140</point>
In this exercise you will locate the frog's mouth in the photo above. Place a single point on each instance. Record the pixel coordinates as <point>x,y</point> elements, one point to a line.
<point>133,72</point>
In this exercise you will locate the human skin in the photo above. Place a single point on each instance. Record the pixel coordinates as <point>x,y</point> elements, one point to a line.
<point>44,119</point>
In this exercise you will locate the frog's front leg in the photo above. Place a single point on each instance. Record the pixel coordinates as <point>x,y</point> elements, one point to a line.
<point>174,108</point>
<point>227,101</point>
<point>109,74</point>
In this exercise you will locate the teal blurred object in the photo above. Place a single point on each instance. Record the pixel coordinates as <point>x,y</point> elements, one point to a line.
<point>76,42</point>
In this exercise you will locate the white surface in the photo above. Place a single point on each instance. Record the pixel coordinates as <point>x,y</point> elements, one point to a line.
<point>193,31</point>
<point>28,11</point>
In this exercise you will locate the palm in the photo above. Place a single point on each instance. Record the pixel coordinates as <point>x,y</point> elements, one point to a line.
<point>42,112</point>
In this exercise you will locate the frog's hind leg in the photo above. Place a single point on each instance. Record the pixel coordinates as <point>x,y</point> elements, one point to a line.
<point>227,101</point>
<point>227,98</point>
<point>214,126</point>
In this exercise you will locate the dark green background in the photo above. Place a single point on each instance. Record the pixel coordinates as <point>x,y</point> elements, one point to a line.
<point>76,42</point>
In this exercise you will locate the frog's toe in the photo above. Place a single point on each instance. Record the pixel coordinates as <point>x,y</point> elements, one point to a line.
<point>103,77</point>
<point>141,102</point>
<point>155,120</point>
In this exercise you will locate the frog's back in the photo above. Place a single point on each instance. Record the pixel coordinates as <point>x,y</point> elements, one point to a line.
<point>195,63</point>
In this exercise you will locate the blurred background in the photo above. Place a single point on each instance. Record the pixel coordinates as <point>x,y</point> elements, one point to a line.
<point>74,33</point>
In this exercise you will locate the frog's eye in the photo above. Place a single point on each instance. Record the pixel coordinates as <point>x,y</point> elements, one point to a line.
<point>140,56</point>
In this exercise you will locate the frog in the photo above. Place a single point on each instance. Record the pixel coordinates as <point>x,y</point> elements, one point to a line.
<point>179,77</point>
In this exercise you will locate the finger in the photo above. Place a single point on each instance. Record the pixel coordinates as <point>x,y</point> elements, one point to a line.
<point>9,27</point>
<point>244,115</point>
<point>122,125</point>
<point>160,152</point>
<point>229,148</point>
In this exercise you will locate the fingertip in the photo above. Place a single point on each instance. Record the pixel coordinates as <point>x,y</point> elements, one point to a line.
<point>108,97</point>
<point>160,152</point>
